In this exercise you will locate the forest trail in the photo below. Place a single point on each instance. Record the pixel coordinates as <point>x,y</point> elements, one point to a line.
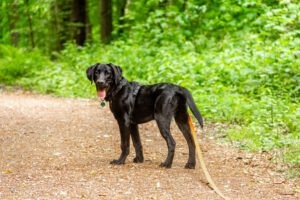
<point>58,148</point>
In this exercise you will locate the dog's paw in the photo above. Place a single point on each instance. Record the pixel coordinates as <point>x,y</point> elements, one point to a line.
<point>138,159</point>
<point>165,165</point>
<point>117,162</point>
<point>190,165</point>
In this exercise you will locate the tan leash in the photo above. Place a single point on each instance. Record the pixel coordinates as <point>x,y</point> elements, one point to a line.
<point>202,163</point>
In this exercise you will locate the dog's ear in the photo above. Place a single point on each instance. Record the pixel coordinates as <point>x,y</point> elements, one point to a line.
<point>117,72</point>
<point>90,73</point>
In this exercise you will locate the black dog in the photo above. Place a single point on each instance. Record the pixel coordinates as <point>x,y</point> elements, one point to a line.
<point>133,104</point>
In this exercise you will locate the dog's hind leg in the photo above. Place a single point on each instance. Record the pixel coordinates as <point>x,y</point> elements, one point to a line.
<point>163,114</point>
<point>135,136</point>
<point>164,128</point>
<point>181,118</point>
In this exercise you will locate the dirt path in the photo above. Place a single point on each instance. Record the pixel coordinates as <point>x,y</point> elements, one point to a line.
<point>55,148</point>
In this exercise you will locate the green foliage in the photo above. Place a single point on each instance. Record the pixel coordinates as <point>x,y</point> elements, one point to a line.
<point>239,58</point>
<point>17,65</point>
<point>15,15</point>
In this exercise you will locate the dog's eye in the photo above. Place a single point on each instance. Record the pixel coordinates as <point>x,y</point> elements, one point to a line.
<point>106,73</point>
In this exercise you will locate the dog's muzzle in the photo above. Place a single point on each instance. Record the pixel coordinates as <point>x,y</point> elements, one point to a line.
<point>101,90</point>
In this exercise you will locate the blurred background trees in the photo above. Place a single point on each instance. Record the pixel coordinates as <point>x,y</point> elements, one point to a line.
<point>49,24</point>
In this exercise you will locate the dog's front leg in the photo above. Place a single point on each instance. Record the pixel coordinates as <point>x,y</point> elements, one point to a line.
<point>136,140</point>
<point>125,141</point>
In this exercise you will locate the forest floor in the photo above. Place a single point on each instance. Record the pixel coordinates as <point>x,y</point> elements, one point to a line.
<point>60,148</point>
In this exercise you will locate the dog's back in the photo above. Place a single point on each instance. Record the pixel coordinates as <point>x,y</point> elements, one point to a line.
<point>149,100</point>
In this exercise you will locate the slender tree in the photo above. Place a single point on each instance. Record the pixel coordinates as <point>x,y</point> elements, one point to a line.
<point>12,20</point>
<point>79,21</point>
<point>30,23</point>
<point>61,16</point>
<point>163,3</point>
<point>121,14</point>
<point>106,20</point>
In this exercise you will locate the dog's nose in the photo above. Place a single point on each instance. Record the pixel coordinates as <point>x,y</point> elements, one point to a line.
<point>100,82</point>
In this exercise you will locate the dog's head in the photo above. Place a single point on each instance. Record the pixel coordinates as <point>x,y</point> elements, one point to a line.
<point>105,76</point>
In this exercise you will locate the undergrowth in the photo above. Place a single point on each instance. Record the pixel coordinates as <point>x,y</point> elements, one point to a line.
<point>248,87</point>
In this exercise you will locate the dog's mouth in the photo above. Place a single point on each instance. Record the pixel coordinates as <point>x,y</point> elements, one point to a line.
<point>101,92</point>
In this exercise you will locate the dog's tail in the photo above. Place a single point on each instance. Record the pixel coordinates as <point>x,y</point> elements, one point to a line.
<point>191,103</point>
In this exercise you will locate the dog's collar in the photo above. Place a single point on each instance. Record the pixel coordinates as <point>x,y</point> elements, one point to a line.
<point>115,91</point>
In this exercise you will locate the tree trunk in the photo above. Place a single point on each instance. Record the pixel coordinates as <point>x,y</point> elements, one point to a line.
<point>184,6</point>
<point>12,20</point>
<point>79,17</point>
<point>106,20</point>
<point>31,35</point>
<point>88,27</point>
<point>121,11</point>
<point>61,16</point>
<point>163,3</point>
